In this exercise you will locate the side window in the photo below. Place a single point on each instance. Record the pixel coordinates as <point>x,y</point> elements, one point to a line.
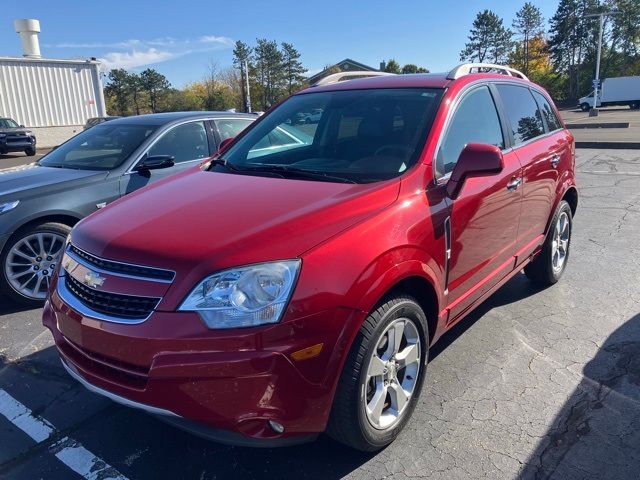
<point>525,119</point>
<point>550,116</point>
<point>475,120</point>
<point>230,128</point>
<point>184,142</point>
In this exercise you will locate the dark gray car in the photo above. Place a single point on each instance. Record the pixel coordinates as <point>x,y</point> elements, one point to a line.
<point>40,202</point>
<point>16,138</point>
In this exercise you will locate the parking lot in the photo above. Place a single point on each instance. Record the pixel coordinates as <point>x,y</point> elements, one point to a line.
<point>534,384</point>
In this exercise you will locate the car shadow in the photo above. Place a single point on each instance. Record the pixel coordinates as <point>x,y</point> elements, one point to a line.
<point>596,433</point>
<point>7,306</point>
<point>517,288</point>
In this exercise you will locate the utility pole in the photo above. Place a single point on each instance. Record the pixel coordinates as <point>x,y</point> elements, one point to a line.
<point>596,82</point>
<point>247,100</point>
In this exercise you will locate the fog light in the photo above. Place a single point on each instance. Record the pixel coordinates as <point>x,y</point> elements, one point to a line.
<point>276,427</point>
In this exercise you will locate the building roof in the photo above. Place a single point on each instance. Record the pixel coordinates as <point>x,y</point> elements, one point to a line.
<point>78,61</point>
<point>351,65</point>
<point>168,117</point>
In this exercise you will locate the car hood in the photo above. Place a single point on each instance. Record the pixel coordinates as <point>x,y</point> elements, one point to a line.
<point>33,177</point>
<point>15,130</point>
<point>199,222</point>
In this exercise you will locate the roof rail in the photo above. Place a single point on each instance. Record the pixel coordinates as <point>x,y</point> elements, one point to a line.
<point>466,69</point>
<point>340,76</point>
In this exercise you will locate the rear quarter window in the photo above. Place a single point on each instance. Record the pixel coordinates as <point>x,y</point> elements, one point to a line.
<point>547,111</point>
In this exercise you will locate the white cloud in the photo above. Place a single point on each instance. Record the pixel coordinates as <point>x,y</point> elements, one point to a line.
<point>135,58</point>
<point>138,52</point>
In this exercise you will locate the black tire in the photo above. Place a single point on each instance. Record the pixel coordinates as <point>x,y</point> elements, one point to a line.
<point>541,270</point>
<point>585,107</point>
<point>5,287</point>
<point>30,152</point>
<point>348,422</point>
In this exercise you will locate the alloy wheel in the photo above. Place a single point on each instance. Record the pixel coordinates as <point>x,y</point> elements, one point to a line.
<point>392,374</point>
<point>31,262</point>
<point>560,243</point>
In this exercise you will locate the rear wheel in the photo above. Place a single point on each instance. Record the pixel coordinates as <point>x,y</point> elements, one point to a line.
<point>549,265</point>
<point>382,377</point>
<point>29,259</point>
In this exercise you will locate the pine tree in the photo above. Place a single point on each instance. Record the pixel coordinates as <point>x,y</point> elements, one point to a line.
<point>292,66</point>
<point>489,40</point>
<point>529,24</point>
<point>155,85</point>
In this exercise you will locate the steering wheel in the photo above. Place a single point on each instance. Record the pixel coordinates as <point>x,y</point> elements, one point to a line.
<point>393,150</point>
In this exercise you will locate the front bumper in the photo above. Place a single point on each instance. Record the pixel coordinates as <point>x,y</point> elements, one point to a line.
<point>17,145</point>
<point>224,385</point>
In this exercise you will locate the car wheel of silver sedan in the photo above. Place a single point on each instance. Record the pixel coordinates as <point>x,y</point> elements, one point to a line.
<point>29,260</point>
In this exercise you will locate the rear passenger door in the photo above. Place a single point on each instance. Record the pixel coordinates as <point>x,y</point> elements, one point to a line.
<point>543,150</point>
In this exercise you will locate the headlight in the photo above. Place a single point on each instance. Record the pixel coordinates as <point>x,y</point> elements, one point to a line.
<point>244,296</point>
<point>2,135</point>
<point>6,206</point>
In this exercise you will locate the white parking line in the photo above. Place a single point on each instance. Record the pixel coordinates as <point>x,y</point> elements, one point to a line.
<point>37,428</point>
<point>83,462</point>
<point>67,450</point>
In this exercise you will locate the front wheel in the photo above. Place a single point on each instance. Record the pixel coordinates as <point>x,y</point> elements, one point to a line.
<point>585,107</point>
<point>30,152</point>
<point>547,268</point>
<point>382,377</point>
<point>28,261</point>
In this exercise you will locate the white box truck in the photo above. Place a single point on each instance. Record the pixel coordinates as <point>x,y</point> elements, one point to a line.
<point>615,91</point>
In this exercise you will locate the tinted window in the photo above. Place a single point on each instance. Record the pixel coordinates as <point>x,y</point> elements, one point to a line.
<point>549,115</point>
<point>184,142</point>
<point>231,128</point>
<point>524,117</point>
<point>475,120</point>
<point>102,147</point>
<point>360,135</point>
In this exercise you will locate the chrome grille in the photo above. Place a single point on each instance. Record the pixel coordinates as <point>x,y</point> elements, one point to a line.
<point>113,304</point>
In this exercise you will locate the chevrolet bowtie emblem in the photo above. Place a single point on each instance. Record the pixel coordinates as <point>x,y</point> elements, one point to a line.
<point>93,279</point>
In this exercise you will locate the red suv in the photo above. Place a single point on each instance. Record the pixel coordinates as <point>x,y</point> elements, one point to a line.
<point>294,283</point>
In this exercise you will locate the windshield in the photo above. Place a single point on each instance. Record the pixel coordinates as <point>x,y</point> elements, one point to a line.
<point>358,136</point>
<point>8,123</point>
<point>103,147</point>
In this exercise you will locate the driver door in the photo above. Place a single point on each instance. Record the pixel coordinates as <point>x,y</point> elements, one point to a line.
<point>188,143</point>
<point>484,217</point>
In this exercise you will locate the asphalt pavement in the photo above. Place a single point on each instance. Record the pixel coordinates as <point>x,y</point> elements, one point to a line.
<point>535,384</point>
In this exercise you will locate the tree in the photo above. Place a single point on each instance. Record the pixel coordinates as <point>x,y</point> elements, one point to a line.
<point>268,62</point>
<point>117,89</point>
<point>155,85</point>
<point>411,68</point>
<point>528,24</point>
<point>489,40</point>
<point>392,66</point>
<point>292,66</point>
<point>134,86</point>
<point>241,59</point>
<point>571,38</point>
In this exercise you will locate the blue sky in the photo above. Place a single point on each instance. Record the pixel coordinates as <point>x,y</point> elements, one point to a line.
<point>180,39</point>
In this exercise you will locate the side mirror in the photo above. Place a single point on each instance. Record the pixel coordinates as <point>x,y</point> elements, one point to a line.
<point>475,160</point>
<point>224,143</point>
<point>155,162</point>
<point>22,126</point>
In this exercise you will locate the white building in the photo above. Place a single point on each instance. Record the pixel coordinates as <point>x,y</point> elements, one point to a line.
<point>53,97</point>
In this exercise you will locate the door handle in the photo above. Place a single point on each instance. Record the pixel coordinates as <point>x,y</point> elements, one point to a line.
<point>513,185</point>
<point>555,160</point>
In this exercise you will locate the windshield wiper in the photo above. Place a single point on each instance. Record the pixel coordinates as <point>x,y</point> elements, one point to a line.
<point>300,172</point>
